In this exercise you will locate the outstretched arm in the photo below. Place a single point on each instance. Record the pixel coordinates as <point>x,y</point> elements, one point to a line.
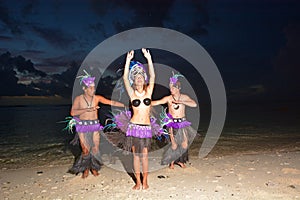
<point>103,100</point>
<point>151,70</point>
<point>160,101</point>
<point>126,73</point>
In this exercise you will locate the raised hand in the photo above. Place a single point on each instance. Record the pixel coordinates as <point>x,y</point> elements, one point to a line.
<point>130,55</point>
<point>146,53</point>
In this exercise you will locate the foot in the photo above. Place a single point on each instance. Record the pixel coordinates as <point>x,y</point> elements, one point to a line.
<point>145,186</point>
<point>171,166</point>
<point>137,186</point>
<point>182,165</point>
<point>95,172</point>
<point>85,173</point>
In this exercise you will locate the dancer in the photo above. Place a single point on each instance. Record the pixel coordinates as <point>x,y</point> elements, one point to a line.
<point>181,133</point>
<point>139,133</point>
<point>85,118</point>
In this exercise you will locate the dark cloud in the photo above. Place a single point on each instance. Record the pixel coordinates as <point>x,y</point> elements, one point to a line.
<point>150,13</point>
<point>9,81</point>
<point>29,8</point>
<point>102,7</point>
<point>9,21</point>
<point>55,37</point>
<point>23,79</point>
<point>145,13</point>
<point>190,17</point>
<point>5,38</point>
<point>30,52</point>
<point>60,63</point>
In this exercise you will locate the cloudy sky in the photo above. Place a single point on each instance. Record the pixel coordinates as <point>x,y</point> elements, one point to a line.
<point>254,43</point>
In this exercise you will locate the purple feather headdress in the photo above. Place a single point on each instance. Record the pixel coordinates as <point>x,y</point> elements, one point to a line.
<point>174,78</point>
<point>87,79</point>
<point>136,68</point>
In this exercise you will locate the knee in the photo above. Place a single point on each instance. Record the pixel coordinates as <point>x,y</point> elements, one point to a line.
<point>85,151</point>
<point>184,145</point>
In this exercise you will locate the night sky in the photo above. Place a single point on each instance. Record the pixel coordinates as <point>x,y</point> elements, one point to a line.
<point>254,43</point>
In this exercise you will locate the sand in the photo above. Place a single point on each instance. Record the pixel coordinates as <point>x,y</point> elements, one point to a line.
<point>269,175</point>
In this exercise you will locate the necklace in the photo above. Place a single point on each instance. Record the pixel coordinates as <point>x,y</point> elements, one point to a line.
<point>175,105</point>
<point>89,104</point>
<point>139,94</point>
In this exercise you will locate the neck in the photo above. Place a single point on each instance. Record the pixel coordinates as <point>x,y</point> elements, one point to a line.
<point>176,95</point>
<point>87,96</point>
<point>140,89</point>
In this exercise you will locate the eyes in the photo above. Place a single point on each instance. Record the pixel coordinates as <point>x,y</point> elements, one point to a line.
<point>173,88</point>
<point>139,76</point>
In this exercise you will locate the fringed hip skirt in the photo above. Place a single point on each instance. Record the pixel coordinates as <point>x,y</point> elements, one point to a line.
<point>88,135</point>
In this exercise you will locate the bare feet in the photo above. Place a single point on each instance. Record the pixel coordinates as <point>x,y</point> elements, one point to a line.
<point>145,186</point>
<point>95,172</point>
<point>171,166</point>
<point>85,173</point>
<point>137,186</point>
<point>182,165</point>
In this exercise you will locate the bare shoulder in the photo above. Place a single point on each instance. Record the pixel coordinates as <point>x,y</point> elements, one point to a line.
<point>99,97</point>
<point>184,96</point>
<point>77,98</point>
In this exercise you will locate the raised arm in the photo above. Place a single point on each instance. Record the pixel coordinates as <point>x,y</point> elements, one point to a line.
<point>126,73</point>
<point>151,69</point>
<point>160,101</point>
<point>103,100</point>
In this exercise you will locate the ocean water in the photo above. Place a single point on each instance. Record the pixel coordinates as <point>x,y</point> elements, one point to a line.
<point>31,135</point>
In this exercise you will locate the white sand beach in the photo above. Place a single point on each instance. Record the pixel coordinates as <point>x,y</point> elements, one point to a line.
<point>269,175</point>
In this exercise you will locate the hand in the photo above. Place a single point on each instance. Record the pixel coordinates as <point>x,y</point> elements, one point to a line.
<point>93,108</point>
<point>130,55</point>
<point>146,53</point>
<point>176,102</point>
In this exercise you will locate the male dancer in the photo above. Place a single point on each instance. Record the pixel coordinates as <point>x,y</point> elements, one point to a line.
<point>180,130</point>
<point>85,114</point>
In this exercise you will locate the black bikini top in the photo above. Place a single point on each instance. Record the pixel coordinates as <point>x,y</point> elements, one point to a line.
<point>137,102</point>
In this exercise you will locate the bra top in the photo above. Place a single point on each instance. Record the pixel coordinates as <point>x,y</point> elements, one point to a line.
<point>137,102</point>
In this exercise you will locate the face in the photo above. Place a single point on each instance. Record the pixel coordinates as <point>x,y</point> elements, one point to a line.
<point>90,90</point>
<point>139,80</point>
<point>173,89</point>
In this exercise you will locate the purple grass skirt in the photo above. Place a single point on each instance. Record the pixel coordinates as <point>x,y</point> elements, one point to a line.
<point>84,126</point>
<point>137,135</point>
<point>139,131</point>
<point>92,160</point>
<point>178,123</point>
<point>122,121</point>
<point>182,132</point>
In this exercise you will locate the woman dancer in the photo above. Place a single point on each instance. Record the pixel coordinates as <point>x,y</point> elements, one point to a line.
<point>139,134</point>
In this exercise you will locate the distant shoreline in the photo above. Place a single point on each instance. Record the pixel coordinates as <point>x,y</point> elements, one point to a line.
<point>33,100</point>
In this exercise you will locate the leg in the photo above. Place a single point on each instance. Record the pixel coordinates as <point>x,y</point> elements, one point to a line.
<point>96,141</point>
<point>171,166</point>
<point>184,146</point>
<point>136,167</point>
<point>173,142</point>
<point>174,146</point>
<point>145,168</point>
<point>85,152</point>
